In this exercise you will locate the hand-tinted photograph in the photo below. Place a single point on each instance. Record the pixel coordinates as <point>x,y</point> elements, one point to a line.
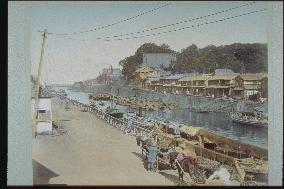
<point>149,93</point>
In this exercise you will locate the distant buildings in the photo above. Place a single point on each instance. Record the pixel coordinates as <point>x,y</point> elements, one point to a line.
<point>109,75</point>
<point>221,83</point>
<point>153,67</point>
<point>141,74</point>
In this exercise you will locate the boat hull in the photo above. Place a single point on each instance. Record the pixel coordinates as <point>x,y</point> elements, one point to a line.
<point>116,115</point>
<point>250,123</point>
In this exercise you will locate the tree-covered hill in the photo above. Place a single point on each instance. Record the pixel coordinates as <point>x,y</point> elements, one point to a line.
<point>249,58</point>
<point>131,63</point>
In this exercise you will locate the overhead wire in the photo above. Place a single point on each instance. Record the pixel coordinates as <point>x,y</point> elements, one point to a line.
<point>180,22</point>
<point>192,26</point>
<point>175,30</point>
<point>115,23</point>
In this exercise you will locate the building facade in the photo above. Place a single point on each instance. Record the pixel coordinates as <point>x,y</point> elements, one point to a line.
<point>141,74</point>
<point>227,84</point>
<point>110,74</point>
<point>158,60</point>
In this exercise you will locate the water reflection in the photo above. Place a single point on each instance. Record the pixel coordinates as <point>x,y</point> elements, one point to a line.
<point>214,121</point>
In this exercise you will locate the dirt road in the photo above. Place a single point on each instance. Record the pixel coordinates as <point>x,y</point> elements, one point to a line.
<point>91,152</point>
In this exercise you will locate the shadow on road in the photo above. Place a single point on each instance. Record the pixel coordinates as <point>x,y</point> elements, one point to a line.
<point>170,177</point>
<point>142,158</point>
<point>41,174</point>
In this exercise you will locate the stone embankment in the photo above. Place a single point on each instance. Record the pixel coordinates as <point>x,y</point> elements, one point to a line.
<point>184,101</point>
<point>133,102</point>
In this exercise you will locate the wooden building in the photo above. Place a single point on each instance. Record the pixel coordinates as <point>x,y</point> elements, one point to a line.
<point>220,85</point>
<point>252,83</point>
<point>194,85</point>
<point>140,76</point>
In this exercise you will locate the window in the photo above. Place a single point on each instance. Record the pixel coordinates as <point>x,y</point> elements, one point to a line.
<point>42,111</point>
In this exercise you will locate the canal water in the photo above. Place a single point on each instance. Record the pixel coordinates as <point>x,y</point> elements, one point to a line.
<point>216,122</point>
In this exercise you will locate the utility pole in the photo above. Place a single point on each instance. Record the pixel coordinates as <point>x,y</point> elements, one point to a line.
<point>243,68</point>
<point>36,104</point>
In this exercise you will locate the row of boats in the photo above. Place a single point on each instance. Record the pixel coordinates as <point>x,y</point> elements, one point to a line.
<point>246,118</point>
<point>209,145</point>
<point>133,102</point>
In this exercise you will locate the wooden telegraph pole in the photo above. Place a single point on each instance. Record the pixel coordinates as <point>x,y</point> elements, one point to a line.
<point>36,105</point>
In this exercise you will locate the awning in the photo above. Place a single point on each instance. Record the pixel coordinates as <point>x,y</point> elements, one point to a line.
<point>192,131</point>
<point>251,87</point>
<point>217,87</point>
<point>238,88</point>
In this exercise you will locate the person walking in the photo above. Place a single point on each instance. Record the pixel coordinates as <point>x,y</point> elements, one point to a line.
<point>152,156</point>
<point>129,126</point>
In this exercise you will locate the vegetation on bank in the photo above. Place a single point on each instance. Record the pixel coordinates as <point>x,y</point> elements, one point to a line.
<point>241,58</point>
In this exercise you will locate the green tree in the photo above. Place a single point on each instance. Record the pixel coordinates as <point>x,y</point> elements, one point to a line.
<point>131,63</point>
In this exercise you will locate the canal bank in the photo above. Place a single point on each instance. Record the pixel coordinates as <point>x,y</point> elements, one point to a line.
<point>89,152</point>
<point>217,122</point>
<point>183,101</point>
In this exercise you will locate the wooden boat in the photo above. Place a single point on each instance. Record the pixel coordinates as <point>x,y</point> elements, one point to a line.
<point>198,111</point>
<point>99,97</point>
<point>248,118</point>
<point>101,104</point>
<point>222,145</point>
<point>203,144</point>
<point>115,112</point>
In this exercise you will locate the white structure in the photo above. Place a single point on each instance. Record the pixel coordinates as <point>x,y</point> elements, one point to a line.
<point>110,74</point>
<point>44,115</point>
<point>158,60</point>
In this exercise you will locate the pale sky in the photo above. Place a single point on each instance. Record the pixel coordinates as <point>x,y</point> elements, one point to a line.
<point>67,61</point>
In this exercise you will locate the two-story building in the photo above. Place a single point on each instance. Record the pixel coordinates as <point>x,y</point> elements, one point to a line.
<point>194,85</point>
<point>220,85</point>
<point>141,74</point>
<point>171,83</point>
<point>252,83</point>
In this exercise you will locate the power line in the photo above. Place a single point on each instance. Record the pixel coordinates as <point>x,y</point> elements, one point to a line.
<point>180,22</point>
<point>175,30</point>
<point>192,26</point>
<point>115,23</point>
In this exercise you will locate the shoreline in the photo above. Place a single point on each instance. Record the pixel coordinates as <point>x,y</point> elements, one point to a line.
<point>208,103</point>
<point>261,144</point>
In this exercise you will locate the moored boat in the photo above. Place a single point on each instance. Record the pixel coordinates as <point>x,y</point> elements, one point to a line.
<point>248,118</point>
<point>115,112</point>
<point>221,144</point>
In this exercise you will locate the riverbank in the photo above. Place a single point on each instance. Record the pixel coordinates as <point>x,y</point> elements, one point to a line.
<point>90,152</point>
<point>217,122</point>
<point>181,100</point>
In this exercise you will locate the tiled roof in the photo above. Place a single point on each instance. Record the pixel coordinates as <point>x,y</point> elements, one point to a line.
<point>223,77</point>
<point>143,69</point>
<point>223,71</point>
<point>197,77</point>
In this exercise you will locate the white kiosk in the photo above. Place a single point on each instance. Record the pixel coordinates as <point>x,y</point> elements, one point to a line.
<point>44,124</point>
